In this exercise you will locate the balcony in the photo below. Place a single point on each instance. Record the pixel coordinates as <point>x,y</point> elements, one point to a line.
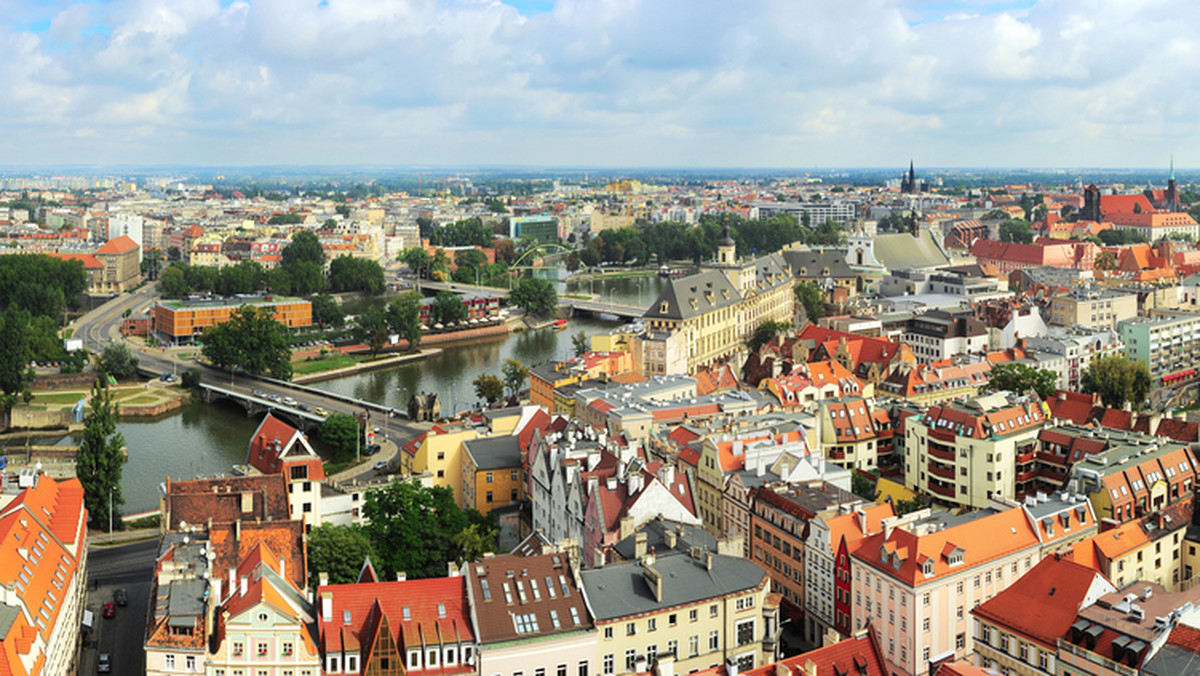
<point>837,455</point>
<point>1052,475</point>
<point>1023,477</point>
<point>1026,457</point>
<point>943,435</point>
<point>943,472</point>
<point>944,491</point>
<point>942,454</point>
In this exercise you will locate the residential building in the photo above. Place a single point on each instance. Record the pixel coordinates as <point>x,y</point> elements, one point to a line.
<point>181,615</point>
<point>121,259</point>
<point>859,654</point>
<point>1017,631</point>
<point>815,213</point>
<point>1149,549</point>
<point>1068,352</point>
<point>529,616</point>
<point>827,589</point>
<point>937,381</point>
<point>717,309</point>
<point>1134,475</point>
<point>492,473</point>
<point>855,434</point>
<point>780,517</point>
<point>701,608</point>
<point>1168,345</point>
<point>938,335</point>
<point>406,626</point>
<point>1008,257</point>
<point>965,454</point>
<point>558,456</point>
<point>1092,307</point>
<point>543,228</point>
<point>43,573</point>
<point>278,448</point>
<point>182,321</point>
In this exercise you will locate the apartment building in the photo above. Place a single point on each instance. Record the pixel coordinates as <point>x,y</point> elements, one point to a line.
<point>1017,631</point>
<point>278,448</point>
<point>938,335</point>
<point>703,609</point>
<point>182,321</point>
<point>718,308</point>
<point>43,573</point>
<point>855,434</point>
<point>780,517</point>
<point>121,259</point>
<point>1067,353</point>
<point>492,473</point>
<point>529,616</point>
<point>917,580</point>
<point>1092,307</point>
<point>1149,549</point>
<point>964,454</point>
<point>1168,345</point>
<point>827,588</point>
<point>1135,475</point>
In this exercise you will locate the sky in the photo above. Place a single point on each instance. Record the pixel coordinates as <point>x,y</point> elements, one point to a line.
<point>601,83</point>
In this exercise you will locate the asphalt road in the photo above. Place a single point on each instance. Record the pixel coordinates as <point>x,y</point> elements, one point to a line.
<point>102,325</point>
<point>130,567</point>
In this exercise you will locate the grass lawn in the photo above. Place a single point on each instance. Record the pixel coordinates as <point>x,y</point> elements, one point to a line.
<point>144,399</point>
<point>59,398</point>
<point>340,361</point>
<point>334,466</point>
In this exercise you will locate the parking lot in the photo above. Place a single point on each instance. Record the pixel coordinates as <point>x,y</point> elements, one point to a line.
<point>128,567</point>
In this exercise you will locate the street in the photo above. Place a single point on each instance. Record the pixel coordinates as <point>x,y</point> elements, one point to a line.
<point>130,567</point>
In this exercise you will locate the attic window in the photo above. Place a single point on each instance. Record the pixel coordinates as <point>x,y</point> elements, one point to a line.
<point>663,307</point>
<point>345,617</point>
<point>927,568</point>
<point>407,613</point>
<point>441,610</point>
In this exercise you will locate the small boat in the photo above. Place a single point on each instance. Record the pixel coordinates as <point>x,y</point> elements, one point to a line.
<point>560,325</point>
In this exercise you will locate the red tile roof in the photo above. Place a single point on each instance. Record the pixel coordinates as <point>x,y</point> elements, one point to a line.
<point>1043,603</point>
<point>89,261</point>
<point>860,655</point>
<point>225,499</point>
<point>118,245</point>
<point>511,582</point>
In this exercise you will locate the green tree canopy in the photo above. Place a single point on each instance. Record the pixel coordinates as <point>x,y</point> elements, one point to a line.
<point>447,307</point>
<point>812,298</point>
<point>339,551</point>
<point>347,273</point>
<point>304,248</point>
<point>515,375</point>
<point>40,284</point>
<point>1117,379</point>
<point>340,431</point>
<point>15,374</point>
<point>99,462</point>
<point>535,295</point>
<point>404,318</point>
<point>1019,378</point>
<point>171,283</point>
<point>253,340</point>
<point>327,311</point>
<point>285,219</point>
<point>417,260</point>
<point>118,361</point>
<point>1018,231</point>
<point>468,232</point>
<point>372,328</point>
<point>580,343</point>
<point>412,529</point>
<point>765,332</point>
<point>488,387</point>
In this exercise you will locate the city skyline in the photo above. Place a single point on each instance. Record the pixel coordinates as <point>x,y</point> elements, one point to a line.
<point>984,84</point>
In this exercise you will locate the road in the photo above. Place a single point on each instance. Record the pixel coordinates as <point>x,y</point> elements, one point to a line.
<point>130,567</point>
<point>102,325</point>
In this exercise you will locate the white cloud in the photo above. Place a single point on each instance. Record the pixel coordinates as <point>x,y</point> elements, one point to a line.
<point>619,82</point>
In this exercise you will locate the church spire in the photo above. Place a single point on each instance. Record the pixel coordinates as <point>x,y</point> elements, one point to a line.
<point>1172,176</point>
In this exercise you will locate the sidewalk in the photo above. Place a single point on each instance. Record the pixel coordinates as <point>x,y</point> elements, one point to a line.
<point>388,451</point>
<point>120,537</point>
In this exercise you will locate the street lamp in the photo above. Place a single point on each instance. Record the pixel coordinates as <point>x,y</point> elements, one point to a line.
<point>111,490</point>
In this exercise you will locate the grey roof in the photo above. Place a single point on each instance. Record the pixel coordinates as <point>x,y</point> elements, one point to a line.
<point>813,263</point>
<point>8,615</point>
<point>185,601</point>
<point>693,295</point>
<point>494,413</point>
<point>620,590</point>
<point>655,530</point>
<point>495,452</point>
<point>902,250</point>
<point>1172,660</point>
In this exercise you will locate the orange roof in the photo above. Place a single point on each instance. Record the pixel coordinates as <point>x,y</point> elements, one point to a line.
<point>88,260</point>
<point>857,525</point>
<point>118,245</point>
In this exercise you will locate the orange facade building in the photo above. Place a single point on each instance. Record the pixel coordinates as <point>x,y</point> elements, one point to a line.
<point>182,321</point>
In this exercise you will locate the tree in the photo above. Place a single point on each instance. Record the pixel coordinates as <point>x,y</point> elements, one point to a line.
<point>171,283</point>
<point>307,278</point>
<point>535,295</point>
<point>1017,231</point>
<point>862,486</point>
<point>580,343</point>
<point>1018,378</point>
<point>251,339</point>
<point>372,328</point>
<point>118,361</point>
<point>285,219</point>
<point>765,332</point>
<point>412,528</point>
<point>1105,260</point>
<point>347,273</point>
<point>812,298</point>
<point>474,541</point>
<point>327,311</point>
<point>447,307</point>
<point>99,460</point>
<point>339,551</point>
<point>1117,379</point>
<point>304,248</point>
<point>404,318</point>
<point>489,387</point>
<point>340,432</point>
<point>279,281</point>
<point>515,374</point>
<point>417,260</point>
<point>15,374</point>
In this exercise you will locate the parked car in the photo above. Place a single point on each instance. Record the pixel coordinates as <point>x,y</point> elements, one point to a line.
<point>259,393</point>
<point>121,597</point>
<point>382,464</point>
<point>104,663</point>
<point>110,610</point>
<point>372,449</point>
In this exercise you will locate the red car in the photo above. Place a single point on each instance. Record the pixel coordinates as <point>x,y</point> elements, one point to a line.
<point>110,610</point>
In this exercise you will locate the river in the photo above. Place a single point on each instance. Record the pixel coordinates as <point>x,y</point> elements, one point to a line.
<point>205,440</point>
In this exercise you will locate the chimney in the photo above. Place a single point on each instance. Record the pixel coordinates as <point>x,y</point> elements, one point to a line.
<point>653,578</point>
<point>665,665</point>
<point>639,545</point>
<point>244,585</point>
<point>216,591</point>
<point>232,581</point>
<point>322,579</point>
<point>247,502</point>
<point>401,576</point>
<point>669,538</point>
<point>451,569</point>
<point>327,607</point>
<point>810,668</point>
<point>237,530</point>
<point>283,568</point>
<point>708,560</point>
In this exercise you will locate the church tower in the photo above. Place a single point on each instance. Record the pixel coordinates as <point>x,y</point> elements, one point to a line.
<point>1172,196</point>
<point>726,249</point>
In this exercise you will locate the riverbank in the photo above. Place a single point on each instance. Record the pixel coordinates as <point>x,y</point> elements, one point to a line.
<point>363,366</point>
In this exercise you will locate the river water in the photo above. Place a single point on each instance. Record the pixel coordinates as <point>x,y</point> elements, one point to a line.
<point>204,440</point>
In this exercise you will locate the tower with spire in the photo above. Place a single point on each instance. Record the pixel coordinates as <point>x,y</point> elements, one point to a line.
<point>1172,196</point>
<point>908,182</point>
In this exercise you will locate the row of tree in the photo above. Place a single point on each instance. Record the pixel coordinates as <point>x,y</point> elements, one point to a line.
<point>41,285</point>
<point>1116,378</point>
<point>491,388</point>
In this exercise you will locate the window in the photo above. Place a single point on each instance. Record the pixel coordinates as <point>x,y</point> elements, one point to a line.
<point>561,670</point>
<point>651,651</point>
<point>1023,651</point>
<point>333,663</point>
<point>673,648</point>
<point>960,641</point>
<point>630,629</point>
<point>712,610</point>
<point>345,617</point>
<point>607,664</point>
<point>714,639</point>
<point>488,477</point>
<point>925,624</point>
<point>985,634</point>
<point>693,645</point>
<point>959,613</point>
<point>352,664</point>
<point>238,648</point>
<point>1043,660</point>
<point>652,624</point>
<point>262,649</point>
<point>608,633</point>
<point>554,619</point>
<point>630,658</point>
<point>288,648</point>
<point>745,602</point>
<point>513,477</point>
<point>189,662</point>
<point>671,620</point>
<point>583,668</point>
<point>925,599</point>
<point>168,661</point>
<point>745,632</point>
<point>526,623</point>
<point>431,658</point>
<point>489,497</point>
<point>692,615</point>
